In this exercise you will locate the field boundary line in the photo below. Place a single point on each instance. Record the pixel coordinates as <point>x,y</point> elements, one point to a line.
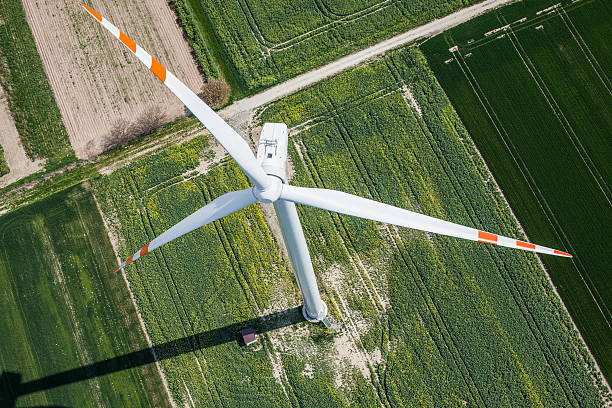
<point>559,114</point>
<point>522,167</point>
<point>114,242</point>
<point>594,61</point>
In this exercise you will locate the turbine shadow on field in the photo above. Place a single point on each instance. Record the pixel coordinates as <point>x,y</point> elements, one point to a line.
<point>11,386</point>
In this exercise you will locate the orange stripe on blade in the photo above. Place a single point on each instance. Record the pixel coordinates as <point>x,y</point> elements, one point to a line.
<point>158,69</point>
<point>127,41</point>
<point>522,244</point>
<point>129,260</point>
<point>487,237</point>
<point>563,254</point>
<point>145,249</point>
<point>93,13</point>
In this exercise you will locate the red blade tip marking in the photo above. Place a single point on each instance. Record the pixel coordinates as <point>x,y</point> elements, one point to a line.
<point>563,254</point>
<point>93,12</point>
<point>145,249</point>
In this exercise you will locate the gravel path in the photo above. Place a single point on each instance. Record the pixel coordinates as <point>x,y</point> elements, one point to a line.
<point>243,106</point>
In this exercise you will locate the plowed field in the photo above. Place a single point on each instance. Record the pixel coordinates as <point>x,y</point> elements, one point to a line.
<point>95,79</point>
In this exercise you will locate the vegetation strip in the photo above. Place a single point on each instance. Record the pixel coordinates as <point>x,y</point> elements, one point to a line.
<point>4,168</point>
<point>29,95</point>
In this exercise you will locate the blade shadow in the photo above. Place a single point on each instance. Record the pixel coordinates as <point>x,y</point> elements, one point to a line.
<point>11,386</point>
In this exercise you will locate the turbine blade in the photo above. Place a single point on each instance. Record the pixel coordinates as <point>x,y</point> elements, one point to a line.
<point>349,204</point>
<point>218,208</point>
<point>235,145</point>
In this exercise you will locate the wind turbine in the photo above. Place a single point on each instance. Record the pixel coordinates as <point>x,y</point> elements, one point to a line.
<point>268,173</point>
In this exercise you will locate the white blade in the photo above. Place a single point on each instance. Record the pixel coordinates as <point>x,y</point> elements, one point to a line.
<point>218,208</point>
<point>349,204</point>
<point>235,145</point>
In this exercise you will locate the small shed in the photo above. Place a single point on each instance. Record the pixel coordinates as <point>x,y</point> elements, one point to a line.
<point>249,336</point>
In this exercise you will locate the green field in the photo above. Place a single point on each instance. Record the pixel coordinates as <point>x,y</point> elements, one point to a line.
<point>62,309</point>
<point>536,97</point>
<point>258,43</point>
<point>30,98</point>
<point>427,320</point>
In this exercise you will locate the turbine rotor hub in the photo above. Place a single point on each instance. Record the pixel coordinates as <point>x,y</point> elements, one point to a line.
<point>271,193</point>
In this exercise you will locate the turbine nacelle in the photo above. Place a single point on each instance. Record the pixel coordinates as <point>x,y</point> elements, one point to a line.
<point>272,150</point>
<point>272,157</point>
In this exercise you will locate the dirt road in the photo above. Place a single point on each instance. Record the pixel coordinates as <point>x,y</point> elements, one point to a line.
<point>238,110</point>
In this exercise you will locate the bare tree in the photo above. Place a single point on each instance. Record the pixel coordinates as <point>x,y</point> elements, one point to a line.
<point>123,131</point>
<point>149,121</point>
<point>120,133</point>
<point>215,92</point>
<point>91,148</point>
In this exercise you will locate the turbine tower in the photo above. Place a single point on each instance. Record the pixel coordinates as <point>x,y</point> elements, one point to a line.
<point>268,173</point>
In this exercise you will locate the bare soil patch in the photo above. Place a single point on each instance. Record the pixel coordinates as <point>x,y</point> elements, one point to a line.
<point>96,80</point>
<point>19,163</point>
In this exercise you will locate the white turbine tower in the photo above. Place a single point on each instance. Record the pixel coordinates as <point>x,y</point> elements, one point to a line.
<point>268,173</point>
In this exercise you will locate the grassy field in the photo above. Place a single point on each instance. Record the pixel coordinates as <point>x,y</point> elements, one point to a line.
<point>62,310</point>
<point>427,320</point>
<point>29,95</point>
<point>536,99</point>
<point>258,43</point>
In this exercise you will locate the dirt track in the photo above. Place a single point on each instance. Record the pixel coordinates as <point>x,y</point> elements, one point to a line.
<point>242,106</point>
<point>19,164</point>
<point>95,79</point>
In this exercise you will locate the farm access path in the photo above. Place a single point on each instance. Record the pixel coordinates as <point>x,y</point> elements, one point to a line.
<point>239,113</point>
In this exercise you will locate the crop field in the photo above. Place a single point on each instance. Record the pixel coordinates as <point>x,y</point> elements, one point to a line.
<point>426,320</point>
<point>96,80</point>
<point>62,310</point>
<point>263,42</point>
<point>535,96</point>
<point>29,96</point>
